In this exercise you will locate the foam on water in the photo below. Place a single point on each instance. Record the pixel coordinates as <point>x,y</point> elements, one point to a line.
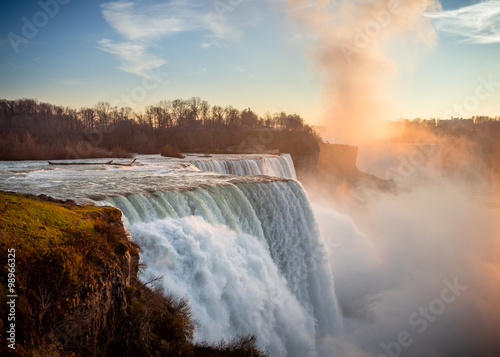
<point>281,166</point>
<point>248,257</point>
<point>245,251</point>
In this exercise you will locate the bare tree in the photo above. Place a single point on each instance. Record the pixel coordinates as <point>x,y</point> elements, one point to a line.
<point>103,111</point>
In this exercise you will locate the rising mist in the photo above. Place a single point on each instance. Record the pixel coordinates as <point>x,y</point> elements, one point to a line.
<point>417,274</point>
<point>416,270</point>
<point>349,46</point>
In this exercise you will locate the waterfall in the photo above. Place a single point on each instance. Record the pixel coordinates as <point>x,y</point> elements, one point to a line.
<point>244,251</point>
<point>281,166</point>
<point>248,257</point>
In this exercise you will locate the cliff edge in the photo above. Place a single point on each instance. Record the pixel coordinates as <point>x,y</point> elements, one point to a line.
<point>69,287</point>
<point>336,175</point>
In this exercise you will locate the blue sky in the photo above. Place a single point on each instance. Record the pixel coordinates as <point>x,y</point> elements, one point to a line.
<point>248,54</point>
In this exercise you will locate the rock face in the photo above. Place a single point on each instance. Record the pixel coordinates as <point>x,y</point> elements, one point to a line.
<point>337,177</point>
<point>102,306</point>
<point>78,290</point>
<point>337,159</point>
<point>305,164</point>
<point>74,266</point>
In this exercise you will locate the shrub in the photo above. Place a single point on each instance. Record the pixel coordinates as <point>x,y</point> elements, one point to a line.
<point>118,151</point>
<point>242,347</point>
<point>171,151</point>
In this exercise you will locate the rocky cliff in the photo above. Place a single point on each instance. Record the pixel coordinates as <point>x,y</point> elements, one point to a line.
<point>77,290</point>
<point>338,159</point>
<point>336,175</point>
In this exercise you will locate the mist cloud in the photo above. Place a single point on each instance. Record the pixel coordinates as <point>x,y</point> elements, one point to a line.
<point>419,276</point>
<point>349,45</point>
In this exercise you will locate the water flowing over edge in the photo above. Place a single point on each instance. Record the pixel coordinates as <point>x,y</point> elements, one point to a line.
<point>244,250</point>
<point>281,166</point>
<point>247,256</point>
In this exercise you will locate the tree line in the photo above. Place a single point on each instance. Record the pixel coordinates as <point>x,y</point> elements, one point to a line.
<point>30,129</point>
<point>470,145</point>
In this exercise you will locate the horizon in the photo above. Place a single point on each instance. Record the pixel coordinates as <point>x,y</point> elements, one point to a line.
<point>249,54</point>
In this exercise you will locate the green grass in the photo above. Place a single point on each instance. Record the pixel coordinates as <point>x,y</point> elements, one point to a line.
<point>51,233</point>
<point>65,255</point>
<point>61,251</point>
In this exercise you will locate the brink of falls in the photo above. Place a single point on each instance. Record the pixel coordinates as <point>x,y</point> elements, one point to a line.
<point>245,251</point>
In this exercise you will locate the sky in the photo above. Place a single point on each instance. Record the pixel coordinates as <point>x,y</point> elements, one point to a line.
<point>237,52</point>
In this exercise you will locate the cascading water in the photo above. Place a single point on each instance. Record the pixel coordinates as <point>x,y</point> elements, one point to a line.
<point>247,256</point>
<point>281,166</point>
<point>243,250</point>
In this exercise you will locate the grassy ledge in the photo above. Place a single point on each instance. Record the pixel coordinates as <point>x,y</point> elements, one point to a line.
<point>77,288</point>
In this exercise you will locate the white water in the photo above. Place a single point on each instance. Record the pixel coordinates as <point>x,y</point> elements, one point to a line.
<point>248,257</point>
<point>87,183</point>
<point>244,250</point>
<point>281,166</point>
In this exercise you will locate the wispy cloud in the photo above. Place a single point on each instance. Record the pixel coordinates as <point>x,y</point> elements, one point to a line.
<point>477,24</point>
<point>134,56</point>
<point>143,25</point>
<point>135,21</point>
